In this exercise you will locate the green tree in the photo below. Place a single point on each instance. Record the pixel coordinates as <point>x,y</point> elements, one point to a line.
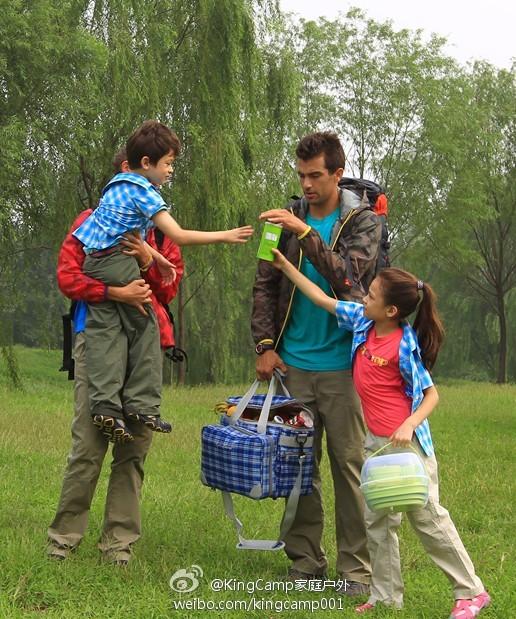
<point>377,87</point>
<point>478,233</point>
<point>43,55</point>
<point>80,75</point>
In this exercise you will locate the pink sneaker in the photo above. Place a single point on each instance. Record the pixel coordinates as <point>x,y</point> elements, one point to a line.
<point>364,608</point>
<point>467,609</point>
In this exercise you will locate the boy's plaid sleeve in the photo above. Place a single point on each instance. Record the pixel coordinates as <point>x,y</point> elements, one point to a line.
<point>148,201</point>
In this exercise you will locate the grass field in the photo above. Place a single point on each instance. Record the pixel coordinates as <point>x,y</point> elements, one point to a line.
<point>184,523</point>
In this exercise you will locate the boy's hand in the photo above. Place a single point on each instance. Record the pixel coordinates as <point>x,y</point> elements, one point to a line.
<point>285,218</point>
<point>238,235</point>
<point>136,247</point>
<point>166,269</point>
<point>279,259</point>
<point>402,437</point>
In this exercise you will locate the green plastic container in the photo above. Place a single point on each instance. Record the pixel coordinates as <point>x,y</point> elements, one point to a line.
<point>396,481</point>
<point>270,240</point>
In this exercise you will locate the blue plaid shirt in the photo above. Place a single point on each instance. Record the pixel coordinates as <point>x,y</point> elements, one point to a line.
<point>128,203</point>
<point>350,316</point>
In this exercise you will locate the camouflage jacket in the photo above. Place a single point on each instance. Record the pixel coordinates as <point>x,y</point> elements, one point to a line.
<point>348,264</point>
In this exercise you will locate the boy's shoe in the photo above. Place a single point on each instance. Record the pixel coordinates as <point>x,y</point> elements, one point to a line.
<point>113,429</point>
<point>295,575</point>
<point>364,608</point>
<point>154,422</point>
<point>58,553</point>
<point>352,588</point>
<point>119,558</point>
<point>467,609</point>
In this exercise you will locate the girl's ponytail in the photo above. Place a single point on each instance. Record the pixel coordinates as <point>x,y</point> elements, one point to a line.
<point>409,294</point>
<point>428,326</point>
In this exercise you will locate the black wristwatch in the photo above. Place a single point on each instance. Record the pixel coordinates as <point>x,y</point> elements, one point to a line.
<point>261,347</point>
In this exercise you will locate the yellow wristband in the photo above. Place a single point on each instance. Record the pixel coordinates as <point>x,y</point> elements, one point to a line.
<point>147,266</point>
<point>303,234</point>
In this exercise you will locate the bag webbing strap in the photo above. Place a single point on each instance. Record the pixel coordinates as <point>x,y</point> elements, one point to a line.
<point>286,522</point>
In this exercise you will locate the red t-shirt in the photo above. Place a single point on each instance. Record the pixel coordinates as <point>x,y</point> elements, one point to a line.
<point>379,384</point>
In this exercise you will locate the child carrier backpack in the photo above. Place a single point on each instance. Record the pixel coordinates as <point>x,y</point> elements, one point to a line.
<point>68,364</point>
<point>262,448</point>
<point>378,202</point>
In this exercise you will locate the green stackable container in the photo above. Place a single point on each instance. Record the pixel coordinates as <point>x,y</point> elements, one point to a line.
<point>396,481</point>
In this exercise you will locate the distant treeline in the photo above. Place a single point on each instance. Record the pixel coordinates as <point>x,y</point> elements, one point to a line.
<point>240,83</point>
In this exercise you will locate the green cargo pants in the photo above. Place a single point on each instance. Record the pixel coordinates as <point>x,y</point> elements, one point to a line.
<point>122,523</point>
<point>109,326</point>
<point>332,398</point>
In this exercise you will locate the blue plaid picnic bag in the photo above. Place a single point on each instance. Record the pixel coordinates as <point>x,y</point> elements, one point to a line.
<point>256,452</point>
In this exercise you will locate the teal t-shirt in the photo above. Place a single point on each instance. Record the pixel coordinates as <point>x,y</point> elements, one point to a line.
<point>312,340</point>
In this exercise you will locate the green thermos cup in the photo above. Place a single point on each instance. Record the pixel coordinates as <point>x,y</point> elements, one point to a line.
<point>270,240</point>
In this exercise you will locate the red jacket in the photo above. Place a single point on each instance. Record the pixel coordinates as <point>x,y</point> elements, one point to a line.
<point>75,285</point>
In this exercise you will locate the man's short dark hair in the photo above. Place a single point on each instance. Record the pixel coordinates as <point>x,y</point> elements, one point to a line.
<point>118,159</point>
<point>152,139</point>
<point>325,143</point>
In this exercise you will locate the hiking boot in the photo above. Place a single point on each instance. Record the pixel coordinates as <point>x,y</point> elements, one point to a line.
<point>153,422</point>
<point>295,575</point>
<point>113,429</point>
<point>352,588</point>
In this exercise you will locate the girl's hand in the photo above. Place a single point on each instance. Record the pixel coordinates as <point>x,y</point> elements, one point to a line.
<point>402,437</point>
<point>238,235</point>
<point>279,259</point>
<point>136,247</point>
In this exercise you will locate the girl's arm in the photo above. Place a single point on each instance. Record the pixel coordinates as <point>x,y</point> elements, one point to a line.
<point>403,435</point>
<point>169,226</point>
<point>308,288</point>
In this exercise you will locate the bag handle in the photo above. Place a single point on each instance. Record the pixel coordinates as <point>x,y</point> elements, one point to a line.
<point>279,377</point>
<point>261,427</point>
<point>389,444</point>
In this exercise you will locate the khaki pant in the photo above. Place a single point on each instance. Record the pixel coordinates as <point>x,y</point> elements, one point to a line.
<point>114,390</point>
<point>122,524</point>
<point>434,528</point>
<point>332,398</point>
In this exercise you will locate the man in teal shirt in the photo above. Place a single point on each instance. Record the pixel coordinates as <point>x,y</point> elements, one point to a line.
<point>332,237</point>
<point>311,341</point>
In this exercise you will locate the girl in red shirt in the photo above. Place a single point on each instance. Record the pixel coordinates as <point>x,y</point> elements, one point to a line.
<point>388,372</point>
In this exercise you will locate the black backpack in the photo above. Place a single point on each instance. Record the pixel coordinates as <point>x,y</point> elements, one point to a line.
<point>68,364</point>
